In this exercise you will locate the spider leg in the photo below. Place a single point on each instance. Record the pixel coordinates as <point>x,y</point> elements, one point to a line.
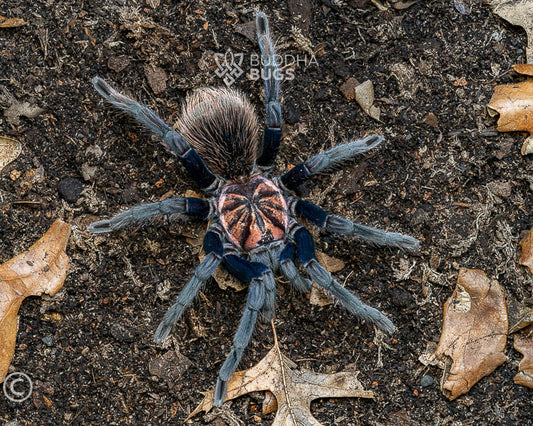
<point>271,76</point>
<point>248,271</point>
<point>340,225</point>
<point>213,247</point>
<point>306,254</point>
<point>257,274</point>
<point>191,206</point>
<point>289,269</point>
<point>327,161</point>
<point>190,159</point>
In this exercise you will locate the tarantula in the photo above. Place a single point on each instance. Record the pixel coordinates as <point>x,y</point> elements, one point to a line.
<point>253,229</point>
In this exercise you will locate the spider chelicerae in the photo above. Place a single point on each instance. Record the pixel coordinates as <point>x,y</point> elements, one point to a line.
<point>253,229</point>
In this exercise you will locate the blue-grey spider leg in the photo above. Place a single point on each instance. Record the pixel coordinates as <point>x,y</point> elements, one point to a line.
<point>214,249</point>
<point>247,271</point>
<point>271,75</point>
<point>327,161</point>
<point>331,223</point>
<point>195,207</point>
<point>288,268</point>
<point>306,253</point>
<point>259,276</point>
<point>173,140</point>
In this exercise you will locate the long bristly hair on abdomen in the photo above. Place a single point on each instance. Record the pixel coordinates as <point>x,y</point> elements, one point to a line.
<point>221,125</point>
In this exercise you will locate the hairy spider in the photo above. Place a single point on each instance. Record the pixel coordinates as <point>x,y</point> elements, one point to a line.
<point>253,229</point>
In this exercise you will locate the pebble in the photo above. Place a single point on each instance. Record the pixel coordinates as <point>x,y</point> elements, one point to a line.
<point>70,189</point>
<point>48,340</point>
<point>426,381</point>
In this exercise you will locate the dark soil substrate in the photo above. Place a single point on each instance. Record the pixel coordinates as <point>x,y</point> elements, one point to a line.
<point>444,175</point>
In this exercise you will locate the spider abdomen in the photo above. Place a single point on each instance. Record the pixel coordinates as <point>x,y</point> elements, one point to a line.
<point>221,125</point>
<point>253,213</point>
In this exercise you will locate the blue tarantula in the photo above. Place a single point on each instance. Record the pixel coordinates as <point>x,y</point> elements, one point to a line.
<point>253,229</point>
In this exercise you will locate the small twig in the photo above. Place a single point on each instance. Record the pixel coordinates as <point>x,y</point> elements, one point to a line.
<point>274,331</point>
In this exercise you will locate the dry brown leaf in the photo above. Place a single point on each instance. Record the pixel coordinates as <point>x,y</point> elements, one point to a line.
<point>520,316</point>
<point>10,149</point>
<point>364,95</point>
<point>474,332</point>
<point>523,343</point>
<point>348,88</point>
<point>294,389</point>
<point>270,404</point>
<point>518,12</point>
<point>514,103</point>
<point>526,258</point>
<point>11,22</point>
<point>41,269</point>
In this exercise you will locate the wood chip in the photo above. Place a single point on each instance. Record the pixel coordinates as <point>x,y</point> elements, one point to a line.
<point>11,22</point>
<point>157,78</point>
<point>348,88</point>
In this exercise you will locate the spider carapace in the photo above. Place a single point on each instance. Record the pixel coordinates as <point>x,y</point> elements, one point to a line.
<point>253,213</point>
<point>253,227</point>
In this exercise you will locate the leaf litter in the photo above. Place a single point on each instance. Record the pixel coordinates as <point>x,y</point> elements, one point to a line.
<point>41,269</point>
<point>514,103</point>
<point>474,332</point>
<point>526,258</point>
<point>523,343</point>
<point>10,149</point>
<point>294,389</point>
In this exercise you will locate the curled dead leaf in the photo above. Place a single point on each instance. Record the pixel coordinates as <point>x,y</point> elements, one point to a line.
<point>40,269</point>
<point>523,343</point>
<point>10,149</point>
<point>514,103</point>
<point>474,332</point>
<point>293,389</point>
<point>526,258</point>
<point>270,404</point>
